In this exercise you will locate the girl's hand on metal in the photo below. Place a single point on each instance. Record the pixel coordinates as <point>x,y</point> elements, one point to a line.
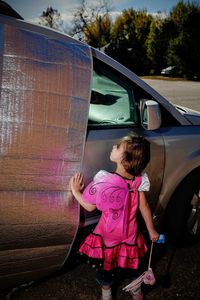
<point>76,183</point>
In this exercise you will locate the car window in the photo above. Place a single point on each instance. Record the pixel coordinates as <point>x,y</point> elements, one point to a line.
<point>112,100</point>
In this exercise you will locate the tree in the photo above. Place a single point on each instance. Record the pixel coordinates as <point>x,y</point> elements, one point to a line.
<point>129,34</point>
<point>52,18</point>
<point>92,23</point>
<point>161,31</point>
<point>183,48</point>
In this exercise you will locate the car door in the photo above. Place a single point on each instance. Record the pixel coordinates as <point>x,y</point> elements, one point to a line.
<point>114,112</point>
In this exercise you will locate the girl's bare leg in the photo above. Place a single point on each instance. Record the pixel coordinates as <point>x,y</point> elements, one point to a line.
<point>106,292</point>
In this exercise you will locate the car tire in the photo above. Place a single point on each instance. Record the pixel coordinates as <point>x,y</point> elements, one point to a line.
<point>183,212</point>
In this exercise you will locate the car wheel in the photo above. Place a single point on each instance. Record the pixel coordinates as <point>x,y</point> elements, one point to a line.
<point>183,212</point>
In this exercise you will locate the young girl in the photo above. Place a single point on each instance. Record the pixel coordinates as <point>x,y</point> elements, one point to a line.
<point>116,240</point>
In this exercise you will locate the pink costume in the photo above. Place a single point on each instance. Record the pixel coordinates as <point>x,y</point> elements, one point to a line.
<point>115,239</point>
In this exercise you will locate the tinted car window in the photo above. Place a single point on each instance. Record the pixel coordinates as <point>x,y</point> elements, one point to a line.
<point>112,101</point>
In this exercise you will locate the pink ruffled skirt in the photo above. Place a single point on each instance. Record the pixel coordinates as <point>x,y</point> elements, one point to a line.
<point>122,255</point>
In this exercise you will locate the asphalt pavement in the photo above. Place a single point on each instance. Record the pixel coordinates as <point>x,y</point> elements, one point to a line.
<point>180,92</point>
<point>177,272</point>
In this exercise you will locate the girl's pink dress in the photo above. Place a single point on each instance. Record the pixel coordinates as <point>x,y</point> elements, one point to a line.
<point>115,240</point>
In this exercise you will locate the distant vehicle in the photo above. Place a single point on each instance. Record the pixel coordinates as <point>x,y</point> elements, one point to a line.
<point>63,105</point>
<point>171,71</point>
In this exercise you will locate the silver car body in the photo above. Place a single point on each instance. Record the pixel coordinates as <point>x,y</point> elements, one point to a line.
<point>50,130</point>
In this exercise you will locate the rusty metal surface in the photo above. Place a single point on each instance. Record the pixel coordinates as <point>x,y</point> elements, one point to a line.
<point>42,83</point>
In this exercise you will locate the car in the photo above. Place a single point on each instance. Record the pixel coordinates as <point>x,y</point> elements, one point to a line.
<point>63,105</point>
<point>171,71</point>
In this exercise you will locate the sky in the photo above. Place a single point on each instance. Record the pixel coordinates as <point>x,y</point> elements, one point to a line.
<point>32,9</point>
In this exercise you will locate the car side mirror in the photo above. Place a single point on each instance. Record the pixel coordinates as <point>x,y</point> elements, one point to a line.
<point>150,114</point>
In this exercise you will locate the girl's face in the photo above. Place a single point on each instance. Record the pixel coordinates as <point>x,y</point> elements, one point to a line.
<point>117,153</point>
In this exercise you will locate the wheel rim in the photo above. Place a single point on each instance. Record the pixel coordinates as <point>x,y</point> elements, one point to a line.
<point>194,217</point>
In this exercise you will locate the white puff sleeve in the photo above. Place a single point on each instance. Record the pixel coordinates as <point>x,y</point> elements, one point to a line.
<point>100,175</point>
<point>145,184</point>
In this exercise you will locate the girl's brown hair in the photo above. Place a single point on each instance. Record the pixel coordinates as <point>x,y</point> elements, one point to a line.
<point>136,155</point>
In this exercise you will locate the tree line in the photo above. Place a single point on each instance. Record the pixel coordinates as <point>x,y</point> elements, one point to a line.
<point>143,42</point>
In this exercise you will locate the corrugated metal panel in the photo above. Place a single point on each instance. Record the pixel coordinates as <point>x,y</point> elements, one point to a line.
<point>45,91</point>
